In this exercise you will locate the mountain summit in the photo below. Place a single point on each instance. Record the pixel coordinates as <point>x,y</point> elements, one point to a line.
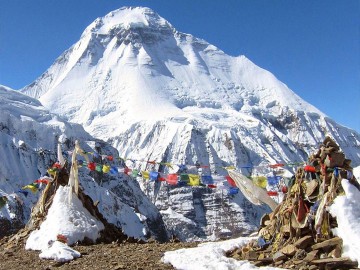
<point>129,18</point>
<point>150,90</point>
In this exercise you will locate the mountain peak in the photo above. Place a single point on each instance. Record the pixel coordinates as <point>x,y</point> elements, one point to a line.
<point>128,18</point>
<point>131,66</point>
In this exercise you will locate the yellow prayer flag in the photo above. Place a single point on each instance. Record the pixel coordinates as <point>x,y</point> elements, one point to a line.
<point>194,180</point>
<point>33,188</point>
<point>168,164</point>
<point>145,174</point>
<point>260,181</point>
<point>106,168</point>
<point>52,172</point>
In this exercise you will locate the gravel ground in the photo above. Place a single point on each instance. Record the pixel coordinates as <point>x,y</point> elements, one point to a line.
<point>113,256</point>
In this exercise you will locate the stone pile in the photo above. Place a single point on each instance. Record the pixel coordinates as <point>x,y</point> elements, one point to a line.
<point>298,233</point>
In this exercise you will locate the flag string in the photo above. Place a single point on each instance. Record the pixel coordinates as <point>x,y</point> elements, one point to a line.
<point>181,178</point>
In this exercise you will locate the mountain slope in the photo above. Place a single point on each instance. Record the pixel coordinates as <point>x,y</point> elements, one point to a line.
<point>29,135</point>
<point>131,71</point>
<point>28,139</point>
<point>133,61</point>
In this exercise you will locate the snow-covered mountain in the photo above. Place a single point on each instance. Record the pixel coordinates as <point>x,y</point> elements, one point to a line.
<point>29,135</point>
<point>153,92</point>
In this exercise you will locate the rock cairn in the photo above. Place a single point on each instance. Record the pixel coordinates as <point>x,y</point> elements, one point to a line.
<point>297,234</point>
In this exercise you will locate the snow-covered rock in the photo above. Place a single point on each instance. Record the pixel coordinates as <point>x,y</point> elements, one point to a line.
<point>69,219</point>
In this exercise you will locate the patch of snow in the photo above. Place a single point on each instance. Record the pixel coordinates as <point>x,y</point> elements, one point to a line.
<point>69,219</point>
<point>346,209</point>
<point>210,256</point>
<point>59,252</point>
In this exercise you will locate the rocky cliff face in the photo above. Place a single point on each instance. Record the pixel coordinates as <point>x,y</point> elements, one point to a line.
<point>204,213</point>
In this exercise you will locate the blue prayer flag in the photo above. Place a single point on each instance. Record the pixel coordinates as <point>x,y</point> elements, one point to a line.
<point>273,180</point>
<point>154,176</point>
<point>207,179</point>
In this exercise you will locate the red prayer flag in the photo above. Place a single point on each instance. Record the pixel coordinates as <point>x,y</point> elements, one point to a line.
<point>56,165</point>
<point>272,193</point>
<point>277,165</point>
<point>230,181</point>
<point>172,179</point>
<point>91,166</point>
<point>309,168</point>
<point>62,238</point>
<point>127,170</point>
<point>44,181</point>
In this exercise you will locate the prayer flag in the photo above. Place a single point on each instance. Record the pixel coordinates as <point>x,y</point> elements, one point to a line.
<point>172,179</point>
<point>194,180</point>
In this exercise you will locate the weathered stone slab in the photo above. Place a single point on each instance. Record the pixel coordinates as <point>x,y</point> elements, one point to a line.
<point>264,261</point>
<point>279,256</point>
<point>311,256</point>
<point>297,262</point>
<point>304,242</point>
<point>251,255</point>
<point>289,250</point>
<point>332,260</point>
<point>336,252</point>
<point>328,243</point>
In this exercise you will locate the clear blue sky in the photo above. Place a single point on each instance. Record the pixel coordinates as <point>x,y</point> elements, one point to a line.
<point>312,46</point>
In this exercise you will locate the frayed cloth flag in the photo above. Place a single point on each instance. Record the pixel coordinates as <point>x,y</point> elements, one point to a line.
<point>253,193</point>
<point>273,180</point>
<point>33,187</point>
<point>230,181</point>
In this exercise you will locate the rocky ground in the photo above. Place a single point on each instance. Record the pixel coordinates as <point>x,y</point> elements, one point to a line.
<point>114,256</point>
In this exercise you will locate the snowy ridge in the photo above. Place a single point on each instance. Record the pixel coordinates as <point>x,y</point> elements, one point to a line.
<point>29,135</point>
<point>28,139</point>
